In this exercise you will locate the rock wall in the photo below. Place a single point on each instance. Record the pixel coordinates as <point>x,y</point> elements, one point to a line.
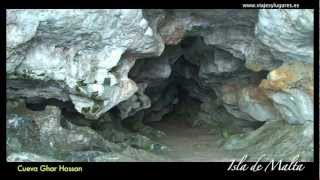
<point>87,52</point>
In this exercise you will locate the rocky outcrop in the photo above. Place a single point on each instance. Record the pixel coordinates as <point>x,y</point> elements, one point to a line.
<point>29,157</point>
<point>42,136</point>
<point>274,146</point>
<point>291,89</point>
<point>79,49</point>
<point>288,33</point>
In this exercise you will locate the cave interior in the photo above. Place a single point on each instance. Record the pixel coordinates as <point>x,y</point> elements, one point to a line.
<point>178,97</point>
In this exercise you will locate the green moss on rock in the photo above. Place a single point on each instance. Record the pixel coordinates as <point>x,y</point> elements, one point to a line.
<point>95,108</point>
<point>85,109</point>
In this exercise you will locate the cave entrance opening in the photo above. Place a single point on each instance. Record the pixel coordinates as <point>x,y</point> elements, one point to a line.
<point>185,104</point>
<point>184,87</point>
<point>184,83</point>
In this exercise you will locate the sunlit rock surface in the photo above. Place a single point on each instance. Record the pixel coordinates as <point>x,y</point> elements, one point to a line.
<point>288,33</point>
<point>290,87</point>
<point>79,48</point>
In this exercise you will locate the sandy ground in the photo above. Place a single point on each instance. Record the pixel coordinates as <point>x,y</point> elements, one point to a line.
<point>191,144</point>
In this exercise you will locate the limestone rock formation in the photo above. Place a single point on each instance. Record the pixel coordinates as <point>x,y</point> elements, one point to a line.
<point>29,157</point>
<point>274,146</point>
<point>84,84</point>
<point>79,49</point>
<point>288,33</point>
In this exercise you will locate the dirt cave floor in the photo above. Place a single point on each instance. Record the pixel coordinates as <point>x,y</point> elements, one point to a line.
<point>192,144</point>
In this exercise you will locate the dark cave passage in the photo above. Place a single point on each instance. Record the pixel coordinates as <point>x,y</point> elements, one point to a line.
<point>185,100</point>
<point>182,84</point>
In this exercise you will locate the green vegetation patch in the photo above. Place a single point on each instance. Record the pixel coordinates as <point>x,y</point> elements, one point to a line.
<point>85,109</point>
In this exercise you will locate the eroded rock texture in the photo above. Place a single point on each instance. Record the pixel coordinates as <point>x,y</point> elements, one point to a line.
<point>227,69</point>
<point>82,50</point>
